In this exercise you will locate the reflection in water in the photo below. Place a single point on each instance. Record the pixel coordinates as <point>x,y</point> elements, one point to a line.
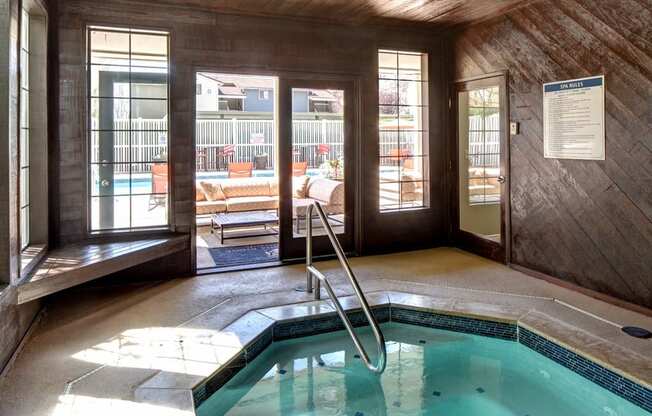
<point>429,372</point>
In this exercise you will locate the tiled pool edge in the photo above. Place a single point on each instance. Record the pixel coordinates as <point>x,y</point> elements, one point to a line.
<point>619,385</point>
<point>467,325</point>
<point>512,330</point>
<point>283,330</point>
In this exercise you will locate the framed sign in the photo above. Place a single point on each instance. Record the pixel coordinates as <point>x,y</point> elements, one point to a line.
<point>573,119</point>
<point>257,138</point>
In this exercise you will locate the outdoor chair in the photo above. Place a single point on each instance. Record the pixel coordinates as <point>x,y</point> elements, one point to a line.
<point>403,156</point>
<point>224,154</point>
<point>159,185</point>
<point>299,168</point>
<point>323,150</point>
<point>241,170</point>
<point>399,154</point>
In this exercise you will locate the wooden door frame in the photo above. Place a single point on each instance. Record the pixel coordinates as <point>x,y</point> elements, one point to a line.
<point>466,240</point>
<point>289,246</point>
<point>281,75</point>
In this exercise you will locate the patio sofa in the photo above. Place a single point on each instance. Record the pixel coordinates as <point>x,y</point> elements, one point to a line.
<point>327,191</point>
<point>261,194</point>
<point>410,189</point>
<point>236,195</point>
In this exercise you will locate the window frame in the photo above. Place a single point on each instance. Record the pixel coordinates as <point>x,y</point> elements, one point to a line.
<point>423,131</point>
<point>32,104</point>
<point>131,230</point>
<point>24,132</point>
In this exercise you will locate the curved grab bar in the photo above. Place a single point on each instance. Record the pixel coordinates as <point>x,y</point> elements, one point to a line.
<point>312,271</point>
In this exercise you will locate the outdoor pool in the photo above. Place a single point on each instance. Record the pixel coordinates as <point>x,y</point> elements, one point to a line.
<point>429,372</point>
<point>141,183</point>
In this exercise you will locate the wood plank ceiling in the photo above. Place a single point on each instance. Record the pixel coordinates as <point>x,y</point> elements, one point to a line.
<point>425,14</point>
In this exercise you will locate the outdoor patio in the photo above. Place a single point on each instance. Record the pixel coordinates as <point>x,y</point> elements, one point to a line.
<point>245,245</point>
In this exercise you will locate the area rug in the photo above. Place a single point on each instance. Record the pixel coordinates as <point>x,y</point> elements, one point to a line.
<point>248,254</point>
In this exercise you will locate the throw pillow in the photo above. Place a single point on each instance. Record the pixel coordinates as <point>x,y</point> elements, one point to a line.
<point>213,191</point>
<point>300,186</point>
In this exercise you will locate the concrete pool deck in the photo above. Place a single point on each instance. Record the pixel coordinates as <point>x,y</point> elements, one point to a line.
<point>94,347</point>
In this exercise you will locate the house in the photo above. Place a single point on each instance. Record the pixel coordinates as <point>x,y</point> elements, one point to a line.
<point>221,93</point>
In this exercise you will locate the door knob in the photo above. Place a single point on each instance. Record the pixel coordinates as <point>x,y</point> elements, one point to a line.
<point>501,179</point>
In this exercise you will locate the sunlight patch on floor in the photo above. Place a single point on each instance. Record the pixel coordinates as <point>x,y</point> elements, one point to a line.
<point>179,350</point>
<point>76,405</point>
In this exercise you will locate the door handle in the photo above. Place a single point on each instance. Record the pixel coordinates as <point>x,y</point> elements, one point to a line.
<point>501,179</point>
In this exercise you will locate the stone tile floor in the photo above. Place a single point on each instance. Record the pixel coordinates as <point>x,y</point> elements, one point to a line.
<point>94,347</point>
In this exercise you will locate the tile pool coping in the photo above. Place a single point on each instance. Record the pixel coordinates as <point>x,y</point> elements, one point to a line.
<point>250,334</point>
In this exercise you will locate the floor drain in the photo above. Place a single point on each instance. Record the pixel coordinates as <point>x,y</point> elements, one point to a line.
<point>637,332</point>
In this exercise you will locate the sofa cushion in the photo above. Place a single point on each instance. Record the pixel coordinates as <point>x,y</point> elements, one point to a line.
<point>251,203</point>
<point>236,188</point>
<point>409,187</point>
<point>199,194</point>
<point>273,187</point>
<point>325,190</point>
<point>411,196</point>
<point>300,186</point>
<point>210,207</point>
<point>300,207</point>
<point>212,190</point>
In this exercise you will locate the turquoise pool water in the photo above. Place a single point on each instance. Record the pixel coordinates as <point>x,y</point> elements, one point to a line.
<point>429,372</point>
<point>142,183</point>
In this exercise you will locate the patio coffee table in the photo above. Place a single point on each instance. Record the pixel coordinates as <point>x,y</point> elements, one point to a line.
<point>227,220</point>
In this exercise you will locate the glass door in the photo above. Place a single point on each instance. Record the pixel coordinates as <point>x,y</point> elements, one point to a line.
<point>317,164</point>
<point>481,167</point>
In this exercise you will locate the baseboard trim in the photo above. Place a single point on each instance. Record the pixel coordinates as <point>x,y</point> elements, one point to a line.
<point>588,292</point>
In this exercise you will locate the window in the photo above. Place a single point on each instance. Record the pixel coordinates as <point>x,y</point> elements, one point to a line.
<point>263,95</point>
<point>403,130</point>
<point>24,133</point>
<point>320,107</point>
<point>199,86</point>
<point>32,148</point>
<point>231,104</point>
<point>483,151</point>
<point>128,129</point>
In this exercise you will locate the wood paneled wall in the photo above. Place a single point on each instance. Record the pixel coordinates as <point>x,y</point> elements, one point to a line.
<point>14,319</point>
<point>588,223</point>
<point>207,40</point>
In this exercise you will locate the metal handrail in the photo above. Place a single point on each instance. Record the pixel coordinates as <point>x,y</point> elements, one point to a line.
<point>312,271</point>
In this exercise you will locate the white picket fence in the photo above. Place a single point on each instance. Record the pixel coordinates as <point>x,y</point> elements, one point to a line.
<point>484,141</point>
<point>256,137</point>
<point>148,141</point>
